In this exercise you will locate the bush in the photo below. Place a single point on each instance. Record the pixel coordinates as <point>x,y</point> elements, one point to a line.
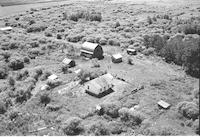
<point>37,73</point>
<point>99,128</point>
<point>72,126</point>
<point>2,108</point>
<point>195,126</point>
<point>83,75</point>
<point>11,81</point>
<point>38,27</point>
<point>6,55</point>
<point>115,127</point>
<point>13,114</point>
<point>16,63</point>
<point>188,109</point>
<point>95,63</point>
<point>191,29</point>
<point>34,52</point>
<point>149,20</point>
<point>48,34</point>
<point>65,68</point>
<point>53,83</point>
<point>103,41</point>
<point>45,99</point>
<point>117,24</point>
<point>130,117</point>
<point>59,36</point>
<point>3,71</point>
<point>130,61</point>
<point>110,109</point>
<point>45,75</point>
<point>22,95</point>
<point>148,51</point>
<point>22,75</point>
<point>26,60</point>
<point>113,42</point>
<point>75,38</point>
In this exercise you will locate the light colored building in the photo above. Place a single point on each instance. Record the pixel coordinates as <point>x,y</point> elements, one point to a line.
<point>100,86</point>
<point>53,77</point>
<point>116,58</point>
<point>6,28</point>
<point>92,50</point>
<point>131,51</point>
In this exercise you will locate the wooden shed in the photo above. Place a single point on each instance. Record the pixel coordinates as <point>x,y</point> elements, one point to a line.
<point>69,62</point>
<point>131,51</point>
<point>92,50</point>
<point>116,58</point>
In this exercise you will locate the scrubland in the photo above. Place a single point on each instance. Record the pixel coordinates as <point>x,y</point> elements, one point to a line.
<point>166,68</point>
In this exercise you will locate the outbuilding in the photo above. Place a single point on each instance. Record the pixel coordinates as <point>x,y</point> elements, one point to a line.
<point>92,50</point>
<point>116,58</point>
<point>69,62</point>
<point>100,86</point>
<point>131,51</point>
<point>6,28</point>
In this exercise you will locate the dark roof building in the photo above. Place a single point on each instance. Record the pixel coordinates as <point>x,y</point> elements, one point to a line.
<point>91,50</point>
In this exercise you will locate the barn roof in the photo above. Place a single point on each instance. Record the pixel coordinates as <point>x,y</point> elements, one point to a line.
<point>89,46</point>
<point>117,56</point>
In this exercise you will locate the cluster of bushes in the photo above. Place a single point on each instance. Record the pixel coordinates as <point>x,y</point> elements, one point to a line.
<point>37,27</point>
<point>191,28</point>
<point>180,49</point>
<point>3,71</point>
<point>75,38</point>
<point>80,14</point>
<point>16,63</point>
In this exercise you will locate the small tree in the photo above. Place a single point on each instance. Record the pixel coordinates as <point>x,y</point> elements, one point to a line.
<point>11,81</point>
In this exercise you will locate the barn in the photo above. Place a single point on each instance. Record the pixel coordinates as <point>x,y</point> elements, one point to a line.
<point>116,58</point>
<point>100,86</point>
<point>92,50</point>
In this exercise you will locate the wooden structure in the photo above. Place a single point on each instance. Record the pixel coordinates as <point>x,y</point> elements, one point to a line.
<point>92,50</point>
<point>69,62</point>
<point>131,51</point>
<point>116,58</point>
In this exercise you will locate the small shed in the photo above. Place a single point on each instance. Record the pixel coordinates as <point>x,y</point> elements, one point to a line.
<point>53,77</point>
<point>163,104</point>
<point>6,28</point>
<point>131,51</point>
<point>92,50</point>
<point>69,62</point>
<point>116,58</point>
<point>100,86</point>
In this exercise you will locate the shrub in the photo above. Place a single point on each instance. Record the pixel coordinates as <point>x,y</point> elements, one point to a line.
<point>72,126</point>
<point>34,52</point>
<point>38,27</point>
<point>96,73</point>
<point>130,61</point>
<point>11,81</point>
<point>65,68</point>
<point>110,109</point>
<point>16,63</point>
<point>99,128</point>
<point>45,75</point>
<point>148,51</point>
<point>195,126</point>
<point>188,110</point>
<point>191,29</point>
<point>45,99</point>
<point>13,114</point>
<point>48,34</point>
<point>2,108</point>
<point>149,20</point>
<point>95,63</point>
<point>75,38</point>
<point>59,36</point>
<point>117,24</point>
<point>115,127</point>
<point>6,55</point>
<point>53,83</point>
<point>103,41</point>
<point>26,60</point>
<point>113,42</point>
<point>22,75</point>
<point>83,75</point>
<point>131,118</point>
<point>3,71</point>
<point>22,95</point>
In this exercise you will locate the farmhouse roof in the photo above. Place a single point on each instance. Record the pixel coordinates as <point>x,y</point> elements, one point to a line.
<point>117,56</point>
<point>89,46</point>
<point>53,77</point>
<point>100,84</point>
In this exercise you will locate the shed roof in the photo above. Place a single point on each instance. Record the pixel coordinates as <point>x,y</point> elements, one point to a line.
<point>67,61</point>
<point>117,56</point>
<point>132,50</point>
<point>53,77</point>
<point>6,28</point>
<point>89,46</point>
<point>163,104</point>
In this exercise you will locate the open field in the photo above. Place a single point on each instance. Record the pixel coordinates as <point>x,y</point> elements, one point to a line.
<point>166,35</point>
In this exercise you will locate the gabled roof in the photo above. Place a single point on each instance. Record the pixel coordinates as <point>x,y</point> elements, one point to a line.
<point>67,61</point>
<point>117,56</point>
<point>100,84</point>
<point>89,46</point>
